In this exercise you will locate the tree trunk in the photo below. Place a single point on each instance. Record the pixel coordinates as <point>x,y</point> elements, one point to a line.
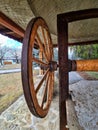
<point>1,61</point>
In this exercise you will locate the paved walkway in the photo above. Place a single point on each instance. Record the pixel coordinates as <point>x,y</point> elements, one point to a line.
<point>10,71</point>
<point>18,117</point>
<point>74,77</point>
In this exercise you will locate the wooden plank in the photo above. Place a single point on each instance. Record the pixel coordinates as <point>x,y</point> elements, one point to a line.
<point>8,23</point>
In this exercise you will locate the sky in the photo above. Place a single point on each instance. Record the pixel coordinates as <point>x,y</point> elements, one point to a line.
<point>5,41</point>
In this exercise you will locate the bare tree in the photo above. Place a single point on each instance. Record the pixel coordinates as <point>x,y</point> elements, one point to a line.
<point>3,51</point>
<point>16,54</point>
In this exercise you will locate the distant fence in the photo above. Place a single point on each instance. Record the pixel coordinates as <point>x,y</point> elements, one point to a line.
<point>7,62</point>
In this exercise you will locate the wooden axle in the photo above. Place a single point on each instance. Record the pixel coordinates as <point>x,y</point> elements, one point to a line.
<point>84,65</point>
<point>74,65</point>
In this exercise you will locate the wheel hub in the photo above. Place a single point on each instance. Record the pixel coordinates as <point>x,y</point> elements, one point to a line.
<point>52,66</point>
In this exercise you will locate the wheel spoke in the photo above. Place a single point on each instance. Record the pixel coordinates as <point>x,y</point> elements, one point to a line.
<point>50,88</point>
<point>44,99</point>
<point>50,45</point>
<point>39,41</point>
<point>42,29</point>
<point>45,41</point>
<point>42,80</point>
<point>39,61</point>
<point>41,46</point>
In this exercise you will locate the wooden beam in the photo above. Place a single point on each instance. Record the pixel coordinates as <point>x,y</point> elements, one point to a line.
<point>55,45</point>
<point>79,43</point>
<point>5,31</point>
<point>20,39</point>
<point>80,15</point>
<point>83,43</point>
<point>8,23</point>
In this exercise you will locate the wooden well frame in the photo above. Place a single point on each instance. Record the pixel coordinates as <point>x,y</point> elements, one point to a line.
<point>62,27</point>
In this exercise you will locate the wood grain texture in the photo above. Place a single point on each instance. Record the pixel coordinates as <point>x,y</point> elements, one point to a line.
<point>87,65</point>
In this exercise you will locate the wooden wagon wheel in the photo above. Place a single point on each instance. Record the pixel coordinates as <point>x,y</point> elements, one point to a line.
<point>38,97</point>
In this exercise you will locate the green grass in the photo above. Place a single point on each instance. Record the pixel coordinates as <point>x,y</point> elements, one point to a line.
<point>93,74</point>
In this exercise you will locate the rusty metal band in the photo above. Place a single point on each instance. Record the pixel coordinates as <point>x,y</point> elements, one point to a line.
<point>74,65</point>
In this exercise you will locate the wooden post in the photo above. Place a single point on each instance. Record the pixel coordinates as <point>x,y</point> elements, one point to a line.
<point>63,70</point>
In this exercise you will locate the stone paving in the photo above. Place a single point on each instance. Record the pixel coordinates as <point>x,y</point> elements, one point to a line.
<point>18,117</point>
